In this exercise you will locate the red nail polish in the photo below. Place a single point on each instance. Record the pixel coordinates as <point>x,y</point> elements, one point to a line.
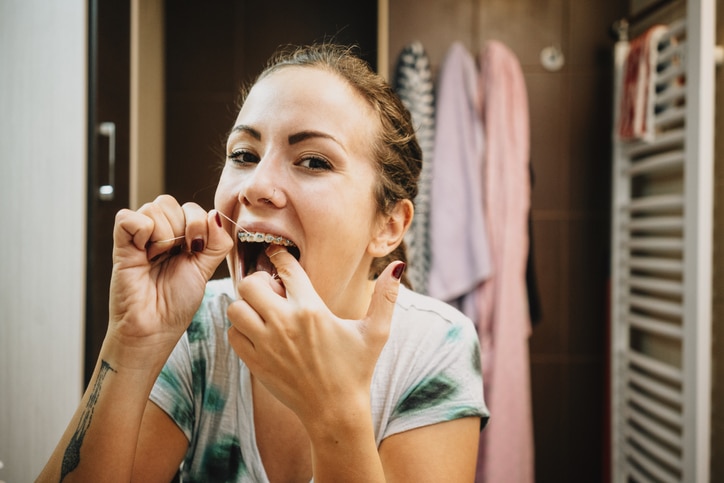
<point>197,245</point>
<point>397,271</point>
<point>218,219</point>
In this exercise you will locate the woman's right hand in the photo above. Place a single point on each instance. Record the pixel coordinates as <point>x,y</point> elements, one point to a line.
<point>158,281</point>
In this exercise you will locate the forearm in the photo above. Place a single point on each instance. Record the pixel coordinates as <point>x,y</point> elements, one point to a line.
<point>344,449</point>
<point>100,441</point>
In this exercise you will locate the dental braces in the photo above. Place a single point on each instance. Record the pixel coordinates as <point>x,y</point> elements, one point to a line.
<point>264,238</point>
<point>245,236</point>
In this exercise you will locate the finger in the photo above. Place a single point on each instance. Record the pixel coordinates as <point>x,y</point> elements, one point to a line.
<point>247,325</point>
<point>196,227</point>
<point>243,347</point>
<point>296,282</point>
<point>169,222</point>
<point>263,293</point>
<point>245,318</point>
<point>217,246</point>
<point>382,304</point>
<point>131,230</point>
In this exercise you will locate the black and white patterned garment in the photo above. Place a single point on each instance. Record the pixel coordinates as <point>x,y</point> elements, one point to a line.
<point>414,84</point>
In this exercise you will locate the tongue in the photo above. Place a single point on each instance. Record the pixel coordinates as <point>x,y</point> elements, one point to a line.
<point>264,264</point>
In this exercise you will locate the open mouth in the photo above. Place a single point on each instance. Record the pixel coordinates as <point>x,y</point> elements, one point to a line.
<point>252,251</point>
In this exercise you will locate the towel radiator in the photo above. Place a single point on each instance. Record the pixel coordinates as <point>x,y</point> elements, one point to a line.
<point>662,209</point>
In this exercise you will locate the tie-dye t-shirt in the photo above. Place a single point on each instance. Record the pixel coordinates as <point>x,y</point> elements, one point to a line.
<point>428,372</point>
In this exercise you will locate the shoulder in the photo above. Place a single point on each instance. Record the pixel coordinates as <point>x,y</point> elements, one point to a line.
<point>429,334</point>
<point>429,370</point>
<point>415,311</point>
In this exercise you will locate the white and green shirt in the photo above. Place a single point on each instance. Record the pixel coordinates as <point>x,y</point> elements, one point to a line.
<point>428,372</point>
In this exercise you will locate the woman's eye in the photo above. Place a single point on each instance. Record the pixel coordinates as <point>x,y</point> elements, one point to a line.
<point>243,157</point>
<point>315,163</point>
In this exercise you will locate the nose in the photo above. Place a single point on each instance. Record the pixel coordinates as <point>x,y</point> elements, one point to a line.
<point>262,187</point>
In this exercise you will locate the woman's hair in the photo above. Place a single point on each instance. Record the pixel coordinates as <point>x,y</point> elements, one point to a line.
<point>397,154</point>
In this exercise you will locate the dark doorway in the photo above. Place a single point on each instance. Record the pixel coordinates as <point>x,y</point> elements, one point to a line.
<point>108,151</point>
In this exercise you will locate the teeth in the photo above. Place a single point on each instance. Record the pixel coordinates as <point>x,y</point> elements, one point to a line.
<point>264,238</point>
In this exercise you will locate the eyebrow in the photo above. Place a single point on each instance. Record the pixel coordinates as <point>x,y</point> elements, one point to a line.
<point>248,130</point>
<point>293,138</point>
<point>304,135</point>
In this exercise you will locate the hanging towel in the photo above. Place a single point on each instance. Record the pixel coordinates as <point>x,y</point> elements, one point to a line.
<point>506,444</point>
<point>458,235</point>
<point>413,83</point>
<point>637,109</point>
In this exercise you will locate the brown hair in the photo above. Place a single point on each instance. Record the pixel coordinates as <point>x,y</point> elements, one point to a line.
<point>398,155</point>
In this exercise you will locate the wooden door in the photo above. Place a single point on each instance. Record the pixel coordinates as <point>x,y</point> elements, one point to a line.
<point>108,151</point>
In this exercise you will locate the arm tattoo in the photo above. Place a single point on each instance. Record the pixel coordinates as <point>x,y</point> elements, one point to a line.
<point>71,458</point>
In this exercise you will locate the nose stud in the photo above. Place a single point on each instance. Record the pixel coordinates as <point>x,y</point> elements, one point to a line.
<point>270,198</point>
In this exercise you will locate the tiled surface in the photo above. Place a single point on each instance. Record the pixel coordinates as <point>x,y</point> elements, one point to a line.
<point>437,24</point>
<point>548,386</point>
<point>584,421</point>
<point>590,141</point>
<point>526,26</point>
<point>549,107</point>
<point>550,336</point>
<point>587,278</point>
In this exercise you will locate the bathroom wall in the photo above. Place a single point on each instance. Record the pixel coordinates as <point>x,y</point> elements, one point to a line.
<point>42,195</point>
<point>570,114</point>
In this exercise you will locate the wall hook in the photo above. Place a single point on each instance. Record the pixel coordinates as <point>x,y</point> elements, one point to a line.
<point>552,58</point>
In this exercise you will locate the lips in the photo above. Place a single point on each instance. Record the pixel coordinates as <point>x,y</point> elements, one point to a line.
<point>252,251</point>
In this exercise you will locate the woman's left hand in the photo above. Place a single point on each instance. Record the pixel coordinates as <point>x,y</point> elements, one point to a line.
<point>318,365</point>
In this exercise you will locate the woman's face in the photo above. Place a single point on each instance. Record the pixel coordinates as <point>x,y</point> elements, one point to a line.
<point>299,166</point>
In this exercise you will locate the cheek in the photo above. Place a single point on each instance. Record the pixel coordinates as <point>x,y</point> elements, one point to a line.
<point>225,195</point>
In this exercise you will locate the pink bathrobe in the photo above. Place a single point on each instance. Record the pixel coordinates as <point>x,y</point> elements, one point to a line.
<point>504,327</point>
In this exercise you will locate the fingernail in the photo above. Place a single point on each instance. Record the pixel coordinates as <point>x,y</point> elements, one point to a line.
<point>197,245</point>
<point>397,271</point>
<point>218,219</point>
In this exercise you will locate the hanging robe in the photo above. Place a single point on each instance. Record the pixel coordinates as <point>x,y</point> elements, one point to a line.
<point>506,444</point>
<point>458,235</point>
<point>414,85</point>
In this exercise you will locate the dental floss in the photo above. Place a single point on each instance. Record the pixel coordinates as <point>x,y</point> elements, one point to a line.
<point>184,236</point>
<point>169,239</point>
<point>234,223</point>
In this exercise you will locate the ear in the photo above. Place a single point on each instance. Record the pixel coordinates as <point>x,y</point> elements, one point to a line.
<point>391,229</point>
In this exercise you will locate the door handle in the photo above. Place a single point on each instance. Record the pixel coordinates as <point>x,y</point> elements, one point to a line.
<point>107,191</point>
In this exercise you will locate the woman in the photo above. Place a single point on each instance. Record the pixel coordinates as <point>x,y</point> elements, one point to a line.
<point>311,361</point>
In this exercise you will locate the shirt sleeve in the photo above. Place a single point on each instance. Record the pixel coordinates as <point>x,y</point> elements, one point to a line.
<point>173,391</point>
<point>441,378</point>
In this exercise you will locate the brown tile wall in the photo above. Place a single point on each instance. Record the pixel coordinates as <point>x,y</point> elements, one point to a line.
<point>570,112</point>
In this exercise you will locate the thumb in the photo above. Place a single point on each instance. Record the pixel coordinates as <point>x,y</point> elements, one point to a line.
<point>382,305</point>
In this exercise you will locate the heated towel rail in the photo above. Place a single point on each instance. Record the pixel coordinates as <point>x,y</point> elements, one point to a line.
<point>662,210</point>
